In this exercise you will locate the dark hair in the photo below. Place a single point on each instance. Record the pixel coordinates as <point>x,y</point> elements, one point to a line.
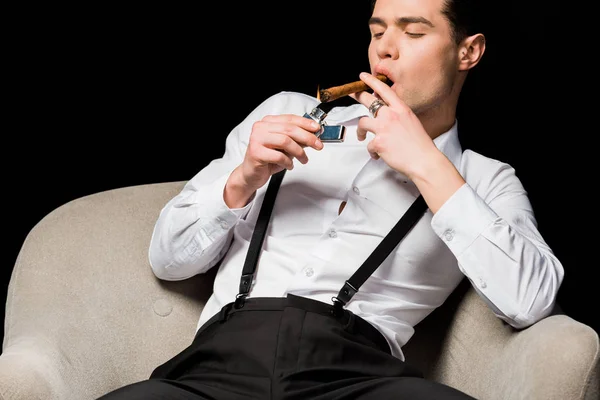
<point>464,17</point>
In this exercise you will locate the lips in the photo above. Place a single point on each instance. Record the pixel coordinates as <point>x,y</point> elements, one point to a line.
<point>379,70</point>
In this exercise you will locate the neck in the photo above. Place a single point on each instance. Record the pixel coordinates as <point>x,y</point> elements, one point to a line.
<point>438,121</point>
<point>441,117</point>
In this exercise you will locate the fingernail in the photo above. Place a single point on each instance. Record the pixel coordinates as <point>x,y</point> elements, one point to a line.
<point>318,144</point>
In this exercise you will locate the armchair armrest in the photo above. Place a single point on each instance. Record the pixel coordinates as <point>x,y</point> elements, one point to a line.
<point>84,312</point>
<point>26,372</point>
<point>474,351</point>
<point>556,358</point>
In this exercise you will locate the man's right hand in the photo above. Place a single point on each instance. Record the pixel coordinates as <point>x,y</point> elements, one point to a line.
<point>274,143</point>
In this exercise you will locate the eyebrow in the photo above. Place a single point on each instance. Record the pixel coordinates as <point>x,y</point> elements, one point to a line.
<point>402,21</point>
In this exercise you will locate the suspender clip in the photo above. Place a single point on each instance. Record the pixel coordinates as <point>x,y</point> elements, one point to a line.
<point>245,283</point>
<point>240,300</point>
<point>338,308</point>
<point>342,298</point>
<point>346,293</point>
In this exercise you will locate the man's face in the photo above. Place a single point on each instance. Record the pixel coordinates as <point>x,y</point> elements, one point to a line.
<point>412,44</point>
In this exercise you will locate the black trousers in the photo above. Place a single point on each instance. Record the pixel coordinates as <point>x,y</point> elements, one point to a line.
<point>289,348</point>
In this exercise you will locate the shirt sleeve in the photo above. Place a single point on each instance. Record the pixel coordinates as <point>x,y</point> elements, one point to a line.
<point>195,228</point>
<point>495,238</point>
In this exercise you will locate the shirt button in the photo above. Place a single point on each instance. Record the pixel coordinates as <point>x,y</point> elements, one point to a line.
<point>449,235</point>
<point>224,225</point>
<point>332,234</point>
<point>309,272</point>
<point>356,190</point>
<point>482,283</point>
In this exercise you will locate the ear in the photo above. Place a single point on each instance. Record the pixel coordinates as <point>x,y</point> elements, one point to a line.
<point>470,51</point>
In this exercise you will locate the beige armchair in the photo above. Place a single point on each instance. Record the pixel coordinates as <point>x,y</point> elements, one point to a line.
<point>85,315</point>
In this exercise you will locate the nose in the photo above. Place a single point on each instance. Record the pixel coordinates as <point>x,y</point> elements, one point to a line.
<point>387,46</point>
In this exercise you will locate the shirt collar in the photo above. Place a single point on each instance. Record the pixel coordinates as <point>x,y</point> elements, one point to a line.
<point>448,142</point>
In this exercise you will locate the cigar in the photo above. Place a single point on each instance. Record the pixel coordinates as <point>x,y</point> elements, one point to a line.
<point>333,93</point>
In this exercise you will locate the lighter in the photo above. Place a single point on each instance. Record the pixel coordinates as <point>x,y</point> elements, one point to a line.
<point>328,133</point>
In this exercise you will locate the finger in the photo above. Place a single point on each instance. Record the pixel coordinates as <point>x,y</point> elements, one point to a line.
<point>371,148</point>
<point>286,144</point>
<point>301,129</point>
<point>272,156</point>
<point>367,99</point>
<point>381,90</point>
<point>361,134</point>
<point>364,98</point>
<point>365,125</point>
<point>303,122</point>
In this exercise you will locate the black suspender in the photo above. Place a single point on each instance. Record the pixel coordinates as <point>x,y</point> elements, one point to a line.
<point>351,286</point>
<point>381,252</point>
<point>258,237</point>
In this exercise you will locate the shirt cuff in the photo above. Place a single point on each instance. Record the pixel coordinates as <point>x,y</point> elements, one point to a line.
<point>462,218</point>
<point>210,198</point>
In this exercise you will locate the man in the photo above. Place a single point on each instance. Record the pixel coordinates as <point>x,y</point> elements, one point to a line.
<point>313,299</point>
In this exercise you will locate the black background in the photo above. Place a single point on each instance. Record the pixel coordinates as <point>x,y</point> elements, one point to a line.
<point>108,97</point>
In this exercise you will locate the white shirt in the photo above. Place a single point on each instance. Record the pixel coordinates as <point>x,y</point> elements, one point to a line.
<point>486,231</point>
